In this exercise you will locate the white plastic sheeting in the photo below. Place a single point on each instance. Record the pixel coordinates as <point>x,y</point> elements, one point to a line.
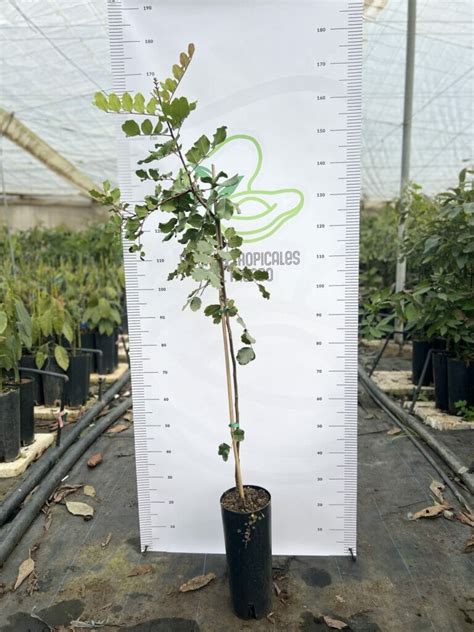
<point>54,55</point>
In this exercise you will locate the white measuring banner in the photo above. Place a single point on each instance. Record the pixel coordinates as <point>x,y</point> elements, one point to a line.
<point>285,77</point>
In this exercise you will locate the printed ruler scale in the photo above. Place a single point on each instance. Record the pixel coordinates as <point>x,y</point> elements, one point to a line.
<point>285,76</point>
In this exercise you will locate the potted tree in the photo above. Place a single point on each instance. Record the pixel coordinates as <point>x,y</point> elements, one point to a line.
<point>194,201</point>
<point>52,329</point>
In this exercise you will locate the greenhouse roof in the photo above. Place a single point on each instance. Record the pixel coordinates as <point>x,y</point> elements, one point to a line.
<point>55,55</point>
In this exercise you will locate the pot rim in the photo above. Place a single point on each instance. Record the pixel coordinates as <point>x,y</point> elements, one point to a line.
<point>246,513</point>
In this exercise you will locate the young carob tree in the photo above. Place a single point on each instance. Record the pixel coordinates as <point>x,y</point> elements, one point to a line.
<point>197,200</point>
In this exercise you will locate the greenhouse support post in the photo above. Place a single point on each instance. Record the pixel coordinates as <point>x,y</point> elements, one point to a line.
<point>406,145</point>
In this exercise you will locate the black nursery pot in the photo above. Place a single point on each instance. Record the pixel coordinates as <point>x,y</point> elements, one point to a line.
<point>52,386</point>
<point>440,375</point>
<point>26,389</point>
<point>419,352</point>
<point>9,425</point>
<point>88,342</point>
<point>79,371</point>
<point>248,544</point>
<point>460,383</point>
<point>107,345</point>
<point>29,362</point>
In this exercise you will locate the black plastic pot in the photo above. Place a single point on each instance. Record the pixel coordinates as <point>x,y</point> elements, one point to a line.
<point>107,345</point>
<point>79,371</point>
<point>28,362</point>
<point>248,544</point>
<point>440,376</point>
<point>9,425</point>
<point>419,352</point>
<point>26,389</point>
<point>52,386</point>
<point>460,383</point>
<point>88,342</point>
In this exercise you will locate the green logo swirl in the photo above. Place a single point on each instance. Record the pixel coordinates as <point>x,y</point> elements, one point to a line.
<point>262,212</point>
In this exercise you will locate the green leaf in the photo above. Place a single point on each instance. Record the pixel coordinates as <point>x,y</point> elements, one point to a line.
<point>127,102</point>
<point>224,209</point>
<point>114,103</point>
<point>168,226</point>
<point>61,357</point>
<point>219,136</point>
<point>195,304</point>
<point>139,103</point>
<point>202,172</point>
<point>239,434</point>
<point>247,339</point>
<point>100,101</point>
<point>68,332</point>
<point>178,72</point>
<point>199,150</point>
<point>131,128</point>
<point>245,355</point>
<point>195,221</point>
<point>40,359</point>
<point>213,310</point>
<point>263,291</point>
<point>179,110</point>
<point>223,451</point>
<point>147,127</point>
<point>260,275</point>
<point>151,106</point>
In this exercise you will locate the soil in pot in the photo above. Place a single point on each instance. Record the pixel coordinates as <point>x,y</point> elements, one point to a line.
<point>419,353</point>
<point>29,362</point>
<point>26,389</point>
<point>440,375</point>
<point>79,371</point>
<point>106,344</point>
<point>460,383</point>
<point>52,386</point>
<point>248,544</point>
<point>9,424</point>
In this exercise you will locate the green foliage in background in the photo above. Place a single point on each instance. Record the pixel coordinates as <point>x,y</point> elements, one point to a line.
<point>58,283</point>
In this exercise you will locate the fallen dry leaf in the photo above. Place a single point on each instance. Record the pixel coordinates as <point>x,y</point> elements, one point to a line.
<point>63,491</point>
<point>429,512</point>
<point>89,491</point>
<point>197,582</point>
<point>340,599</point>
<point>80,509</point>
<point>47,522</point>
<point>118,428</point>
<point>144,569</point>
<point>335,624</point>
<point>277,589</point>
<point>24,570</point>
<point>465,518</point>
<point>469,546</point>
<point>449,515</point>
<point>394,431</point>
<point>106,542</point>
<point>437,488</point>
<point>270,618</point>
<point>95,460</point>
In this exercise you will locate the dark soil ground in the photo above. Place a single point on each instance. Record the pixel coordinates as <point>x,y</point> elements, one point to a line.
<point>410,576</point>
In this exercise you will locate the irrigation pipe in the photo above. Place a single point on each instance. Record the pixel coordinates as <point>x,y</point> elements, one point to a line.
<point>403,419</point>
<point>24,519</point>
<point>39,469</point>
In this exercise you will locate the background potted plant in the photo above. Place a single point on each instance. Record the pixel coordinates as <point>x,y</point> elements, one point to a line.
<point>16,393</point>
<point>195,206</point>
<point>52,329</point>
